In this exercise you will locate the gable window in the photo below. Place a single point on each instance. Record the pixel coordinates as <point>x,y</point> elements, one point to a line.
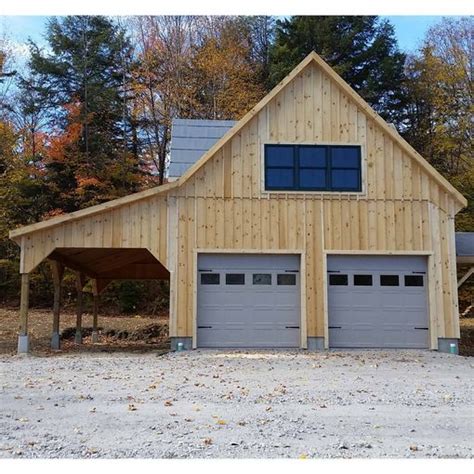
<point>313,168</point>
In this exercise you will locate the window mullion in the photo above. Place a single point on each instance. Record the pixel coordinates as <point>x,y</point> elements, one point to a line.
<point>328,168</point>
<point>296,168</point>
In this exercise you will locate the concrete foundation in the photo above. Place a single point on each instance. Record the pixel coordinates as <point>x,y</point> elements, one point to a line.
<point>78,337</point>
<point>95,337</point>
<point>55,341</point>
<point>444,345</point>
<point>315,343</point>
<point>23,344</point>
<point>187,343</point>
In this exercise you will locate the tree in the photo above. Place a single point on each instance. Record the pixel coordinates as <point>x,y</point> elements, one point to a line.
<point>226,77</point>
<point>83,82</point>
<point>162,82</point>
<point>362,49</point>
<point>439,121</point>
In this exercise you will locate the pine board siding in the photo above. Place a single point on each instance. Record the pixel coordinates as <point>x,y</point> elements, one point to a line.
<point>220,205</point>
<point>142,224</point>
<point>400,209</point>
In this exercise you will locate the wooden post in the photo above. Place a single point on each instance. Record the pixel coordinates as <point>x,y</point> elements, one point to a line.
<point>80,282</point>
<point>58,272</point>
<point>23,338</point>
<point>95,315</point>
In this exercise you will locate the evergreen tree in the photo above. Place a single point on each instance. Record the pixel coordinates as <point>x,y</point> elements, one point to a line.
<point>84,85</point>
<point>361,49</point>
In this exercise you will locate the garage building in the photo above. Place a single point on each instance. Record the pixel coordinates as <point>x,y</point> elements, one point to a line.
<point>309,223</point>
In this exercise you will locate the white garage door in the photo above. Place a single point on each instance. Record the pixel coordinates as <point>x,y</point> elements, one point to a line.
<point>248,301</point>
<point>377,301</point>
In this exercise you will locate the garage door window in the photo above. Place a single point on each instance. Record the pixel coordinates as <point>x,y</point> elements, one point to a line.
<point>362,280</point>
<point>210,278</point>
<point>389,280</point>
<point>413,280</point>
<point>286,279</point>
<point>262,279</point>
<point>338,280</point>
<point>235,279</point>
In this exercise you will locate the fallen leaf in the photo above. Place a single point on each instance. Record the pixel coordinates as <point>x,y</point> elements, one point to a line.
<point>221,422</point>
<point>168,403</point>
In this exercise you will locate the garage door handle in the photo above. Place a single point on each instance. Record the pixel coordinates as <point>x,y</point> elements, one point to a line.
<point>335,327</point>
<point>204,327</point>
<point>292,327</point>
<point>424,329</point>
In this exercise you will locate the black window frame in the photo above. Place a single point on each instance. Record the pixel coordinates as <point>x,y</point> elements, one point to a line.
<point>328,169</point>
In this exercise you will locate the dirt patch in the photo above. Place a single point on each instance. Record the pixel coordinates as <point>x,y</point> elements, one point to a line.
<point>40,326</point>
<point>466,344</point>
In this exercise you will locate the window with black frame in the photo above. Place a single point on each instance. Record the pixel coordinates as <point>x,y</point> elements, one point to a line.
<point>313,168</point>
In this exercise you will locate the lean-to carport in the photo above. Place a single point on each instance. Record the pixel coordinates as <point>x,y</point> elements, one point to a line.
<point>125,239</point>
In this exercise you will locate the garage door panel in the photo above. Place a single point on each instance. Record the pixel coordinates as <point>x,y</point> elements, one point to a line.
<point>255,314</point>
<point>378,315</point>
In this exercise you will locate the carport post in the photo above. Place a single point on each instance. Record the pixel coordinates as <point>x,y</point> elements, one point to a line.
<point>23,338</point>
<point>57,270</point>
<point>79,287</point>
<point>95,314</point>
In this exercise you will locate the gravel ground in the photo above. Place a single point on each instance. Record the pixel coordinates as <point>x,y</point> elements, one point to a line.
<point>238,404</point>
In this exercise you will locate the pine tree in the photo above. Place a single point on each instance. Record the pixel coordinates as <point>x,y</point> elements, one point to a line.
<point>84,84</point>
<point>361,49</point>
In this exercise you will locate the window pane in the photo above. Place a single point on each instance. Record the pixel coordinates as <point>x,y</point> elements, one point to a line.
<point>279,155</point>
<point>262,279</point>
<point>280,178</point>
<point>312,178</point>
<point>413,280</point>
<point>388,280</point>
<point>345,157</point>
<point>338,280</point>
<point>363,280</point>
<point>235,279</point>
<point>210,278</point>
<point>312,156</point>
<point>286,279</point>
<point>345,179</point>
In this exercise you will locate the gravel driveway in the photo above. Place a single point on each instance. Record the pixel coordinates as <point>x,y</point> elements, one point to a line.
<point>238,404</point>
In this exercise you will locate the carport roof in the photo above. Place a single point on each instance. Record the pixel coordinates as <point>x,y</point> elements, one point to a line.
<point>112,264</point>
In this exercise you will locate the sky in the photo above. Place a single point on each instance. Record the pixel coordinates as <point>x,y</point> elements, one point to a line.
<point>409,30</point>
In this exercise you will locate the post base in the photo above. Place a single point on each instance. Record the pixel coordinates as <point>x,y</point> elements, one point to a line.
<point>315,343</point>
<point>23,344</point>
<point>187,343</point>
<point>444,345</point>
<point>95,337</point>
<point>55,341</point>
<point>78,337</point>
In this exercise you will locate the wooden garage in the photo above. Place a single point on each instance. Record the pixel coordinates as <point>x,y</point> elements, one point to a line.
<point>310,173</point>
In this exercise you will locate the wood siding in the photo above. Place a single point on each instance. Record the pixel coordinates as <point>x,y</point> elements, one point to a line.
<point>401,209</point>
<point>142,224</point>
<point>222,206</point>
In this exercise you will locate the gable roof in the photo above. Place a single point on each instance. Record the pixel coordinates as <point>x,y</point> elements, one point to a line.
<point>311,58</point>
<point>190,139</point>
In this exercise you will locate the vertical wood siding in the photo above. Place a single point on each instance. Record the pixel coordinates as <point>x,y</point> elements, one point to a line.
<point>223,206</point>
<point>401,209</point>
